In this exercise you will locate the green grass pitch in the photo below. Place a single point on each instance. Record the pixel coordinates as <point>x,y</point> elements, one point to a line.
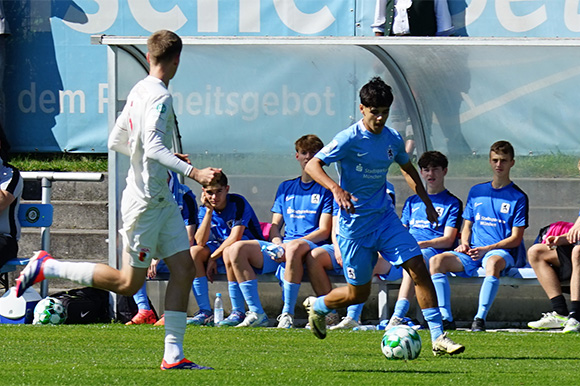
<point>114,354</point>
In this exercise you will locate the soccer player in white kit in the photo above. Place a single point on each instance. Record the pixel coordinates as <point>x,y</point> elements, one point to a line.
<point>152,223</point>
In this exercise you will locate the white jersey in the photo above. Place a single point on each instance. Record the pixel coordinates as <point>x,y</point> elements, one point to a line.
<point>144,132</point>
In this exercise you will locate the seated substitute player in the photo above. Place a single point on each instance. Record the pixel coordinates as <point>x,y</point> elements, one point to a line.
<point>494,220</point>
<point>553,262</point>
<point>367,223</point>
<point>326,260</point>
<point>187,204</point>
<point>152,224</point>
<point>224,219</point>
<point>433,238</point>
<point>304,209</point>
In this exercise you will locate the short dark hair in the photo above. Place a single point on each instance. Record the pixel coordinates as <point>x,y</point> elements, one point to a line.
<point>433,159</point>
<point>222,180</point>
<point>163,46</point>
<point>376,93</point>
<point>309,142</point>
<point>503,147</point>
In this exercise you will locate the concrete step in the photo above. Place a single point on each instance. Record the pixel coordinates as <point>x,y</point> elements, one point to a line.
<point>69,190</point>
<point>68,244</point>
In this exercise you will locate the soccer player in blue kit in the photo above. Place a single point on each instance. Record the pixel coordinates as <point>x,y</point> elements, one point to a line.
<point>433,238</point>
<point>224,218</point>
<point>303,209</point>
<point>368,223</point>
<point>494,220</point>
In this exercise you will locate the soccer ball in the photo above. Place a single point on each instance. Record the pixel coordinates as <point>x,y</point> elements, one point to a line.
<point>49,311</point>
<point>401,342</point>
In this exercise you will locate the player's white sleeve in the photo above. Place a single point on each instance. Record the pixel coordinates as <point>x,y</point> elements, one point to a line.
<point>119,140</point>
<point>443,16</point>
<point>380,17</point>
<point>156,150</point>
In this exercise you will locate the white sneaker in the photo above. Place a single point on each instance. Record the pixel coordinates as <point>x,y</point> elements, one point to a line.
<point>347,323</point>
<point>394,321</point>
<point>253,319</point>
<point>572,325</point>
<point>549,320</point>
<point>285,320</point>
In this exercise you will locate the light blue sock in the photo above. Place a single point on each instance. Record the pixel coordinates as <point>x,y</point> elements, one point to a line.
<point>250,290</point>
<point>141,298</point>
<point>433,318</point>
<point>236,297</point>
<point>354,311</point>
<point>487,296</point>
<point>201,293</point>
<point>443,291</point>
<point>401,308</point>
<point>320,307</point>
<point>290,296</point>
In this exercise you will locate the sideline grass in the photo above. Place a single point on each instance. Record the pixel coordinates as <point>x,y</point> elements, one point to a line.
<point>115,354</point>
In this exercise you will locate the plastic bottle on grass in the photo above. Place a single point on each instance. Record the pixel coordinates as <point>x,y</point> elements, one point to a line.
<point>365,327</point>
<point>218,309</point>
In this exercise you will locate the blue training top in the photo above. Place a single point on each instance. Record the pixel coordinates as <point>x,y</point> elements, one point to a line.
<point>301,205</point>
<point>238,211</point>
<point>362,161</point>
<point>448,207</point>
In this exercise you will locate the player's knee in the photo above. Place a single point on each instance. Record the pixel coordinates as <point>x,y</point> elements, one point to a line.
<point>435,264</point>
<point>534,254</point>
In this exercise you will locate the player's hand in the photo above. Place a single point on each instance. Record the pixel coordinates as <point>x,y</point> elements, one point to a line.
<point>338,256</point>
<point>477,253</point>
<point>432,215</point>
<point>152,270</point>
<point>573,234</point>
<point>462,248</point>
<point>205,201</point>
<point>345,200</point>
<point>211,269</point>
<point>183,157</point>
<point>205,176</point>
<point>551,242</point>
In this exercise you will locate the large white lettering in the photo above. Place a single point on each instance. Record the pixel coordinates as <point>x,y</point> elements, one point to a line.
<point>301,22</point>
<point>515,23</point>
<point>474,11</point>
<point>571,16</point>
<point>207,16</point>
<point>71,95</point>
<point>153,20</point>
<point>100,21</point>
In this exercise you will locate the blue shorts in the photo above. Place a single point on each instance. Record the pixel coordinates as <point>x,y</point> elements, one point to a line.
<point>359,256</point>
<point>281,268</point>
<point>213,245</point>
<point>471,266</point>
<point>269,265</point>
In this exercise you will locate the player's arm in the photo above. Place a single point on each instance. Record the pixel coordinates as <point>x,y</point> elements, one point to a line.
<point>414,182</point>
<point>444,242</point>
<point>6,198</point>
<point>275,234</point>
<point>119,140</point>
<point>235,235</point>
<point>202,233</point>
<point>464,243</point>
<point>323,231</point>
<point>333,232</point>
<point>191,229</point>
<point>342,197</point>
<point>513,241</point>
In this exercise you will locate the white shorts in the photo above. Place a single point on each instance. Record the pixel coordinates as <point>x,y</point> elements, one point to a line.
<point>152,232</point>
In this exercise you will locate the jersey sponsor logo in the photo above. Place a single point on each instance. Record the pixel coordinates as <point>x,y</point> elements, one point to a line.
<point>315,198</point>
<point>351,274</point>
<point>359,168</point>
<point>505,208</point>
<point>330,147</point>
<point>361,154</point>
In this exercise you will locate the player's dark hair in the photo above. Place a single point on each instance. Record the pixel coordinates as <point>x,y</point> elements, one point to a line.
<point>502,147</point>
<point>376,93</point>
<point>433,159</point>
<point>222,180</point>
<point>163,46</point>
<point>309,142</point>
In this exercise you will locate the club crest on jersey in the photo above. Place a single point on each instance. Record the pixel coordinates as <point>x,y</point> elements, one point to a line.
<point>390,153</point>
<point>330,147</point>
<point>439,211</point>
<point>505,208</point>
<point>315,199</point>
<point>161,108</point>
<point>230,224</point>
<point>143,253</point>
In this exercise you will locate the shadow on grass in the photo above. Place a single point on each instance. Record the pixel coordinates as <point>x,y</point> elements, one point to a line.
<point>409,371</point>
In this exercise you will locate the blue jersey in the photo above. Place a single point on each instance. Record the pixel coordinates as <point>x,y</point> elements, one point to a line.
<point>362,161</point>
<point>238,211</point>
<point>414,216</point>
<point>494,212</point>
<point>301,205</point>
<point>185,199</point>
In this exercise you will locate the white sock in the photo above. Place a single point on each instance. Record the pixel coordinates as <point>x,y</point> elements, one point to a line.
<point>78,272</point>
<point>175,322</point>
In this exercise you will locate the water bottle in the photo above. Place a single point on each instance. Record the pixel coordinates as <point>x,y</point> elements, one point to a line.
<point>365,327</point>
<point>218,309</point>
<point>273,250</point>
